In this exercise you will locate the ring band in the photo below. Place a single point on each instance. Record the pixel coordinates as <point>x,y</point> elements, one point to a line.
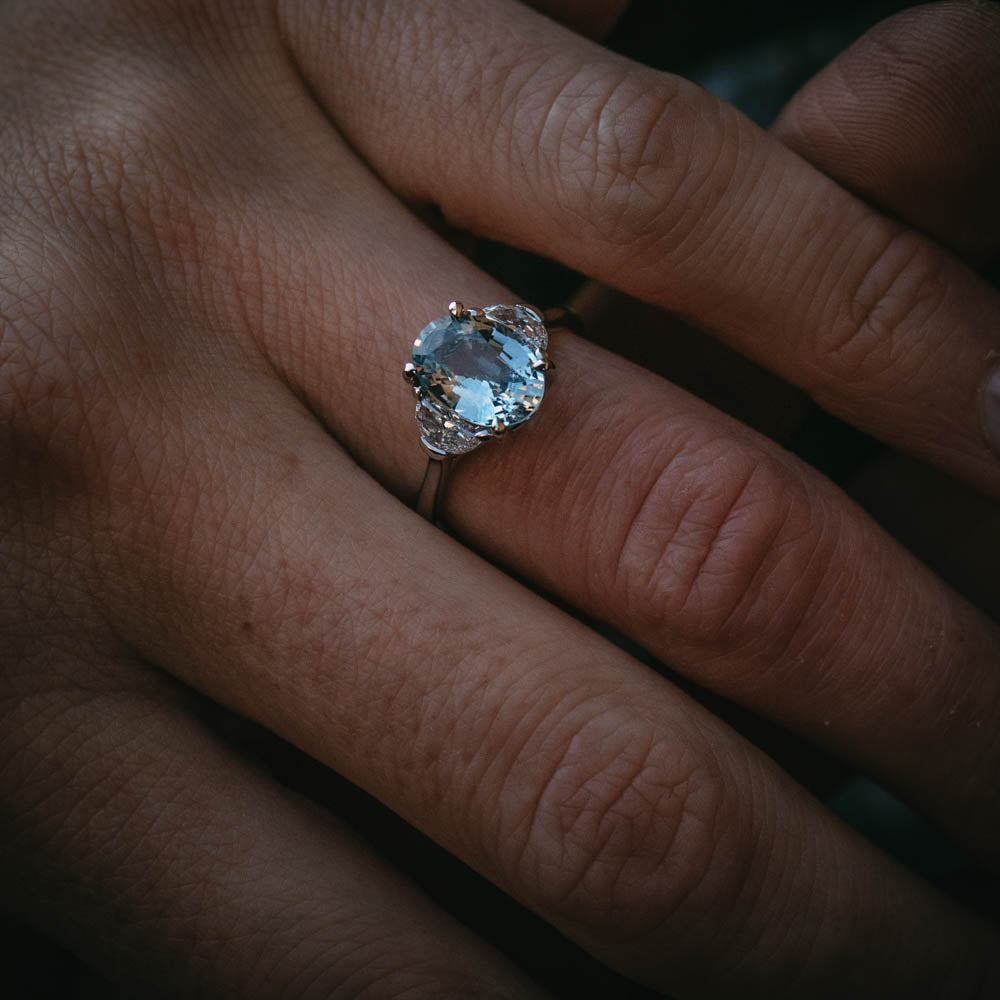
<point>476,374</point>
<point>432,487</point>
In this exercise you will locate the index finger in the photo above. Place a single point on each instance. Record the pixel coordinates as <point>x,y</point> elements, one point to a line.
<point>521,130</point>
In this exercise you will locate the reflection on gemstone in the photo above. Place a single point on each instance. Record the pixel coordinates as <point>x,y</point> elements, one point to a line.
<point>448,435</point>
<point>478,373</point>
<point>523,318</point>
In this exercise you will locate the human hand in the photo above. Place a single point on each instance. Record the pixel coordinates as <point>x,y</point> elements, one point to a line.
<point>206,298</point>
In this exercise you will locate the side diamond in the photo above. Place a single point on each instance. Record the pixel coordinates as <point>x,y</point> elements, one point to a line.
<point>449,435</point>
<point>524,318</point>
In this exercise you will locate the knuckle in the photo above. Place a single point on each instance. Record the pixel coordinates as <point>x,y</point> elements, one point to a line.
<point>715,547</point>
<point>899,286</point>
<point>624,826</point>
<point>99,242</point>
<point>111,171</point>
<point>35,378</point>
<point>53,375</point>
<point>118,137</point>
<point>622,151</point>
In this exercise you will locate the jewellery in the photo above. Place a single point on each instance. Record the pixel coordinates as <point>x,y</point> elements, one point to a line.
<point>476,374</point>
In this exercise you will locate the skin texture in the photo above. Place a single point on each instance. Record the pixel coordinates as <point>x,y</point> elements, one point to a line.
<point>206,263</point>
<point>933,165</point>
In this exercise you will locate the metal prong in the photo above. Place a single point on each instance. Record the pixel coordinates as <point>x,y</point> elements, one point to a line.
<point>411,372</point>
<point>483,435</point>
<point>456,309</point>
<point>499,427</point>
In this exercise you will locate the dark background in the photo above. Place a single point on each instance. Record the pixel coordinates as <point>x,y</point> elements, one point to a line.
<point>754,55</point>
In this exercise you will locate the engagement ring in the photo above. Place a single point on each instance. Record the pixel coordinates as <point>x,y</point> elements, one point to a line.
<point>476,374</point>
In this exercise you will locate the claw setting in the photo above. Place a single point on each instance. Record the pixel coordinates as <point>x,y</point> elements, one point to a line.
<point>477,373</point>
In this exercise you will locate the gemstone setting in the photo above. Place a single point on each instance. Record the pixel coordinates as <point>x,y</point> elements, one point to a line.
<point>476,374</point>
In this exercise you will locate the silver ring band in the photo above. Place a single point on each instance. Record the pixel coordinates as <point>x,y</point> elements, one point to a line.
<point>432,487</point>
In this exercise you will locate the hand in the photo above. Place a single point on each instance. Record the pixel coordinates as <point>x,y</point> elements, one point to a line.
<point>208,283</point>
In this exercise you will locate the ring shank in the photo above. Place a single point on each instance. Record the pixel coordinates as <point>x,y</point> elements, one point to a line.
<point>432,487</point>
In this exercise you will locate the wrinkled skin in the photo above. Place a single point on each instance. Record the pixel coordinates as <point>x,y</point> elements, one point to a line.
<point>210,276</point>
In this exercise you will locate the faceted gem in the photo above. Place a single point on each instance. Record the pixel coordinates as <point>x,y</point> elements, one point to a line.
<point>476,373</point>
<point>448,435</point>
<point>523,318</point>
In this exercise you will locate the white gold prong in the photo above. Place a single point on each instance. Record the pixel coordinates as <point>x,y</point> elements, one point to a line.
<point>483,435</point>
<point>499,428</point>
<point>411,372</point>
<point>456,309</point>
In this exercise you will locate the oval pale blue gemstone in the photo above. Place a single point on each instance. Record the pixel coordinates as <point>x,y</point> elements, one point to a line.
<point>484,372</point>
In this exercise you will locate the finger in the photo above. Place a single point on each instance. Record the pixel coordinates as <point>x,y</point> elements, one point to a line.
<point>592,18</point>
<point>645,182</point>
<point>153,851</point>
<point>550,761</point>
<point>909,118</point>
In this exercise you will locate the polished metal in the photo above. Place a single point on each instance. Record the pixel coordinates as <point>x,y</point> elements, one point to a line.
<point>432,487</point>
